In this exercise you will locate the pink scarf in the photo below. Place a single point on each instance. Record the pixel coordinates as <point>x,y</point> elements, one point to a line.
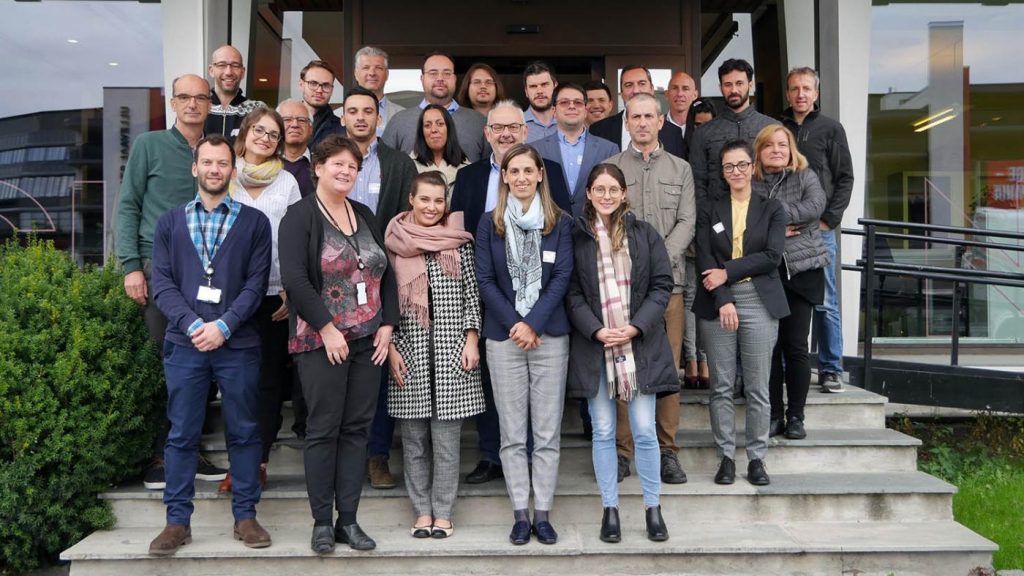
<point>408,243</point>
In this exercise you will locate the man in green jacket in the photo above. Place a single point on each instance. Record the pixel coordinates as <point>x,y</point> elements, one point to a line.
<point>158,177</point>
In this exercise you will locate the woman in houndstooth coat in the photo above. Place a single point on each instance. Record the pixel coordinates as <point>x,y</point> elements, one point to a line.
<point>434,355</point>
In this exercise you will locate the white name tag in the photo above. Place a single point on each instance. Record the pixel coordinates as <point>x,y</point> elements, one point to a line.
<point>718,228</point>
<point>234,132</point>
<point>361,293</point>
<point>208,294</point>
<point>548,256</point>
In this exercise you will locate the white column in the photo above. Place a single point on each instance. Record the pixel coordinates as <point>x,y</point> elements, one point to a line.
<point>241,24</point>
<point>798,16</point>
<point>183,26</point>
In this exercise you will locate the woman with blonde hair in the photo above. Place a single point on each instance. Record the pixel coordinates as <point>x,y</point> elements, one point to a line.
<point>523,264</point>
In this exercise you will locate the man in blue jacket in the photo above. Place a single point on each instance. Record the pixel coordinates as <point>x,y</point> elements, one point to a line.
<point>211,262</point>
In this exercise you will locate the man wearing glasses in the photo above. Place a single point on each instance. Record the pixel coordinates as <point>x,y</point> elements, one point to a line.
<point>230,105</point>
<point>476,192</point>
<point>298,129</point>
<point>572,145</point>
<point>439,80</point>
<point>157,178</point>
<point>316,81</point>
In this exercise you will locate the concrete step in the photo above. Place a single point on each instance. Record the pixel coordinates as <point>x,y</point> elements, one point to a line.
<point>853,450</point>
<point>719,548</point>
<point>905,496</point>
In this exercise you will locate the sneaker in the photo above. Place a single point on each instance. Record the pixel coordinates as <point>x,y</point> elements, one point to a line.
<point>623,467</point>
<point>207,471</point>
<point>830,383</point>
<point>153,479</point>
<point>671,471</point>
<point>795,429</point>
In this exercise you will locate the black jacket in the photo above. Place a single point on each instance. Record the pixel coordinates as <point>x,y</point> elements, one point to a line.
<point>650,288</point>
<point>396,173</point>
<point>325,123</point>
<point>823,141</point>
<point>300,241</point>
<point>708,141</point>
<point>610,128</point>
<point>763,245</point>
<point>226,119</point>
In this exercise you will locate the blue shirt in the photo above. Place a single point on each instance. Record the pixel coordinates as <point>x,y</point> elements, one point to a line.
<point>572,157</point>
<point>367,189</point>
<point>536,130</point>
<point>492,186</point>
<point>452,106</point>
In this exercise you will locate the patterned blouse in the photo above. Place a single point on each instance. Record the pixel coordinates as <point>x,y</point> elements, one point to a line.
<point>339,265</point>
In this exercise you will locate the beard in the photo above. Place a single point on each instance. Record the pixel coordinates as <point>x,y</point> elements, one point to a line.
<point>543,108</point>
<point>214,191</point>
<point>743,99</point>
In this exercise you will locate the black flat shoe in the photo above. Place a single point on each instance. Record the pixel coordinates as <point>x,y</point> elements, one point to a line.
<point>611,532</point>
<point>485,472</point>
<point>520,533</point>
<point>323,540</point>
<point>545,532</point>
<point>726,471</point>
<point>756,474</point>
<point>776,428</point>
<point>795,429</point>
<point>354,536</point>
<point>656,529</point>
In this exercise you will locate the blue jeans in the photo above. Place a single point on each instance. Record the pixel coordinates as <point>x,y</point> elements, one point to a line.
<point>645,443</point>
<point>829,321</point>
<point>189,372</point>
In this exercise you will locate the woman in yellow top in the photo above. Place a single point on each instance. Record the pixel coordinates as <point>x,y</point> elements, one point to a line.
<point>740,239</point>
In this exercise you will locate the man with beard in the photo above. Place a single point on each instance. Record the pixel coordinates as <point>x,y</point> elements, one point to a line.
<point>316,81</point>
<point>439,81</point>
<point>539,82</point>
<point>633,80</point>
<point>476,192</point>
<point>229,103</point>
<point>211,263</point>
<point>739,121</point>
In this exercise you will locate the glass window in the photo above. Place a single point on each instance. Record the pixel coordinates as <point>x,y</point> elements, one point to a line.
<point>945,147</point>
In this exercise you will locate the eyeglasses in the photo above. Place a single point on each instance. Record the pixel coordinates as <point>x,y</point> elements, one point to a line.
<point>317,86</point>
<point>730,168</point>
<point>439,73</point>
<point>482,82</point>
<point>565,103</point>
<point>602,192</point>
<point>223,65</point>
<point>300,120</point>
<point>499,128</point>
<point>199,98</point>
<point>260,132</point>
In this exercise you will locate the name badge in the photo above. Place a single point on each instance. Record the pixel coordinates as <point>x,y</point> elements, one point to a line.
<point>718,228</point>
<point>234,133</point>
<point>208,294</point>
<point>548,256</point>
<point>579,159</point>
<point>361,293</point>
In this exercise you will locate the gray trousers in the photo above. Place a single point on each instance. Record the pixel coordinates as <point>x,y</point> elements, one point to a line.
<point>693,350</point>
<point>755,339</point>
<point>529,392</point>
<point>430,453</point>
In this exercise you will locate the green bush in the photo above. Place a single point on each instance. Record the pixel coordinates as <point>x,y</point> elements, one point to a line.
<point>79,385</point>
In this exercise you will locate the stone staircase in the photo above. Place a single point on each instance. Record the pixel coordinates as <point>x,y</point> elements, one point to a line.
<point>848,500</point>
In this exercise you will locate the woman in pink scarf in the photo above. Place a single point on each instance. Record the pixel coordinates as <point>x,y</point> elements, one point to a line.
<point>434,355</point>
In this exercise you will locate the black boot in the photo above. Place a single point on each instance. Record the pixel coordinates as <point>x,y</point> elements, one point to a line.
<point>656,529</point>
<point>610,529</point>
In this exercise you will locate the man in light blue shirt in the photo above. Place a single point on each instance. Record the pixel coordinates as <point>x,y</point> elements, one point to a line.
<point>371,72</point>
<point>539,82</point>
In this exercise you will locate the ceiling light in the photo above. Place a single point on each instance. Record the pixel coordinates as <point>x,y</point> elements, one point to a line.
<point>935,123</point>
<point>262,80</point>
<point>72,41</point>
<point>112,63</point>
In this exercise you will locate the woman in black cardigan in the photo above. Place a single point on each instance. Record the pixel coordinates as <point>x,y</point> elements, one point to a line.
<point>740,239</point>
<point>620,287</point>
<point>343,305</point>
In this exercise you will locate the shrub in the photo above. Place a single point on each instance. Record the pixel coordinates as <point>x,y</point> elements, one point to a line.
<point>79,384</point>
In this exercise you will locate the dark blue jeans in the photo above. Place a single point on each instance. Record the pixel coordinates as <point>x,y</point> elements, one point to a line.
<point>382,431</point>
<point>188,373</point>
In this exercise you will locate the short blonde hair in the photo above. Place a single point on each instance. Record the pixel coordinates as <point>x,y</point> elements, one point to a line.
<point>797,161</point>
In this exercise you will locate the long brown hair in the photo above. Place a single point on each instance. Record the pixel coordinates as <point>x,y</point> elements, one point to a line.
<point>250,120</point>
<point>618,224</point>
<point>551,210</point>
<point>499,89</point>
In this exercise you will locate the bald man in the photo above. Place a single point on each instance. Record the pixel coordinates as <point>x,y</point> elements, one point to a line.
<point>681,92</point>
<point>229,103</point>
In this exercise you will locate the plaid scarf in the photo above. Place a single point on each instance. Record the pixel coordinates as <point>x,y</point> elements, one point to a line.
<point>614,284</point>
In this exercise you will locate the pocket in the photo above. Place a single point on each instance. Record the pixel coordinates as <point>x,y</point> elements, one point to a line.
<point>168,350</point>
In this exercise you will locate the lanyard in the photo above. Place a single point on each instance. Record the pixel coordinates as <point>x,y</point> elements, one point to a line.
<point>207,256</point>
<point>352,241</point>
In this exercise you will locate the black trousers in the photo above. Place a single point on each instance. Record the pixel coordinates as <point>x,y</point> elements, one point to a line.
<point>275,372</point>
<point>341,400</point>
<point>790,361</point>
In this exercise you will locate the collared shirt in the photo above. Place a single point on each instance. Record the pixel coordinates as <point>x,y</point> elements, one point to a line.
<point>572,157</point>
<point>626,138</point>
<point>382,106</point>
<point>492,186</point>
<point>367,189</point>
<point>537,130</point>
<point>452,106</point>
<point>207,231</point>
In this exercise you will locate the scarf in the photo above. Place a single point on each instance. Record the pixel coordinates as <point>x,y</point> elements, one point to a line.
<point>255,175</point>
<point>614,287</point>
<point>522,250</point>
<point>408,244</point>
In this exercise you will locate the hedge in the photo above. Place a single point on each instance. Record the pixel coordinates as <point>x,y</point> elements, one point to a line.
<point>79,384</point>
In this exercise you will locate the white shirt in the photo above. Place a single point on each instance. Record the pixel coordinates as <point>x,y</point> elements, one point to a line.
<point>273,201</point>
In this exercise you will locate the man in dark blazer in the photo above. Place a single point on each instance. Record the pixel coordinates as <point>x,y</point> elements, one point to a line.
<point>476,192</point>
<point>572,145</point>
<point>636,79</point>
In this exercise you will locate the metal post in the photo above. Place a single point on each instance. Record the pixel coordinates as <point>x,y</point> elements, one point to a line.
<point>954,353</point>
<point>869,303</point>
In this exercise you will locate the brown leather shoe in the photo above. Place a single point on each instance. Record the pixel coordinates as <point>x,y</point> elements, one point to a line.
<point>379,473</point>
<point>225,484</point>
<point>172,537</point>
<point>252,534</point>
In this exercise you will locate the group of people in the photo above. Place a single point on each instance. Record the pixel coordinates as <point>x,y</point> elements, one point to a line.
<point>466,258</point>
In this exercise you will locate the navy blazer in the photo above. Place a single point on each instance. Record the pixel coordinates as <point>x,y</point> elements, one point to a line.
<point>670,135</point>
<point>763,244</point>
<point>595,151</point>
<point>548,314</point>
<point>470,192</point>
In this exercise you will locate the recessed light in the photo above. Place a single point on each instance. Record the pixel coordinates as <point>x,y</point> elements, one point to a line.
<point>262,80</point>
<point>72,41</point>
<point>112,63</point>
